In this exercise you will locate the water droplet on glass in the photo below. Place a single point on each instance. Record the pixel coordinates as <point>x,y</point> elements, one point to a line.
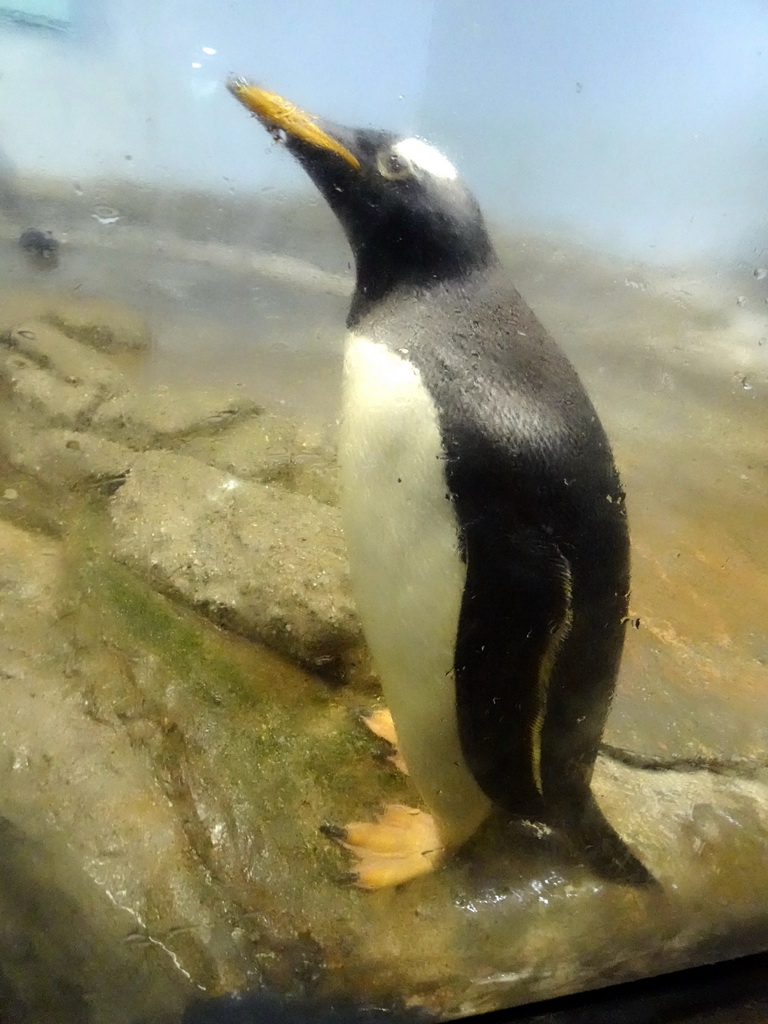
<point>760,273</point>
<point>105,214</point>
<point>209,50</point>
<point>741,300</point>
<point>77,188</point>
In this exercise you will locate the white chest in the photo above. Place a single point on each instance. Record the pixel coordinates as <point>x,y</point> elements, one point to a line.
<point>402,539</point>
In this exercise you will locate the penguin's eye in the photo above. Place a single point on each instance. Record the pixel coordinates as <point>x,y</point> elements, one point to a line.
<point>393,166</point>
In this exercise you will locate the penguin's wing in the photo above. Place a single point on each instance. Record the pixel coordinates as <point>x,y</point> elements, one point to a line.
<point>536,496</point>
<point>515,615</point>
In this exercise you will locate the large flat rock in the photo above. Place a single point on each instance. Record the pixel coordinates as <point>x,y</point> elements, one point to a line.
<point>100,323</point>
<point>71,361</point>
<point>36,392</point>
<point>55,380</point>
<point>93,855</point>
<point>64,457</point>
<point>160,417</point>
<point>272,449</point>
<point>262,560</point>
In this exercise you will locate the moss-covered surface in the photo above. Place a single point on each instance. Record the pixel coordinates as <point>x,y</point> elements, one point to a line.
<point>87,325</point>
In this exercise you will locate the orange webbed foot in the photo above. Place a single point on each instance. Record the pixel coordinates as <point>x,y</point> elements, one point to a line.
<point>381,724</point>
<point>401,844</point>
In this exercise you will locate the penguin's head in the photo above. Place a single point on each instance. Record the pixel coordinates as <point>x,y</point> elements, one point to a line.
<point>409,218</point>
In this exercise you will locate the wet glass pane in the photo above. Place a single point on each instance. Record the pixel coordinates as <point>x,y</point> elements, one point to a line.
<point>383,572</point>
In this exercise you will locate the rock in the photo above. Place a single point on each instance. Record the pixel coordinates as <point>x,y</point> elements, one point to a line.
<point>272,449</point>
<point>64,456</point>
<point>64,956</point>
<point>316,468</point>
<point>693,675</point>
<point>261,560</point>
<point>32,577</point>
<point>260,448</point>
<point>162,780</point>
<point>162,417</point>
<point>101,324</point>
<point>705,836</point>
<point>267,755</point>
<point>145,753</point>
<point>74,363</point>
<point>99,892</point>
<point>44,395</point>
<point>53,378</point>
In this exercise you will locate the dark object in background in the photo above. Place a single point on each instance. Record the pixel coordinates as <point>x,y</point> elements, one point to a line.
<point>40,246</point>
<point>267,1008</point>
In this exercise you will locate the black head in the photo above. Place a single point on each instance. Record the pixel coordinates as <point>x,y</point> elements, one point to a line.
<point>410,220</point>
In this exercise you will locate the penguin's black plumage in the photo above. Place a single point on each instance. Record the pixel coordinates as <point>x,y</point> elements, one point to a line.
<point>484,516</point>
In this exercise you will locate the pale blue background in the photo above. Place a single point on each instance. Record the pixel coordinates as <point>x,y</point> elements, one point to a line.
<point>640,126</point>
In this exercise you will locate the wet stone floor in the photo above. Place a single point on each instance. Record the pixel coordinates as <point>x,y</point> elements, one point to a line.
<point>183,674</point>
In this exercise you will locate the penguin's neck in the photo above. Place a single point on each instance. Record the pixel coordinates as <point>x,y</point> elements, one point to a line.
<point>381,273</point>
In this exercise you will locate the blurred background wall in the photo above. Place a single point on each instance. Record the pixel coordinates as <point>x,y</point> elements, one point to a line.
<point>639,126</point>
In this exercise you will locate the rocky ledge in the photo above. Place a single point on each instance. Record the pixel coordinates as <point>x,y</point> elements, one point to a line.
<point>176,620</point>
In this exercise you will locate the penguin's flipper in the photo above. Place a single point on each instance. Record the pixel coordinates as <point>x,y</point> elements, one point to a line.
<point>515,619</point>
<point>381,724</point>
<point>401,844</point>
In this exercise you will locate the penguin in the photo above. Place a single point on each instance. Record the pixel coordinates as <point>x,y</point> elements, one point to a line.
<point>484,516</point>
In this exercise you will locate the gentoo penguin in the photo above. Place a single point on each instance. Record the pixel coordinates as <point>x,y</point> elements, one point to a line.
<point>483,513</point>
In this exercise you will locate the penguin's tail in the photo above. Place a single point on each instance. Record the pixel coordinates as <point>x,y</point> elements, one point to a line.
<point>600,847</point>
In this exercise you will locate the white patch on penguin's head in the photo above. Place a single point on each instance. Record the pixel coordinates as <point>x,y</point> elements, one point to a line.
<point>429,159</point>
